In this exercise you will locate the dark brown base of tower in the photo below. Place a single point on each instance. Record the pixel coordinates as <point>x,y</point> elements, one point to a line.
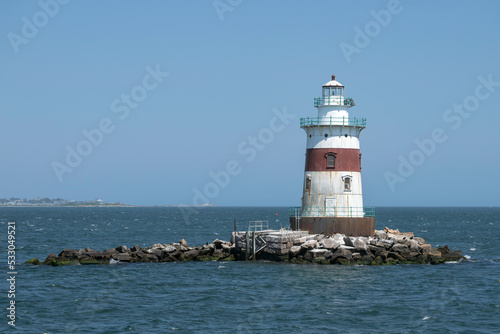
<point>350,226</point>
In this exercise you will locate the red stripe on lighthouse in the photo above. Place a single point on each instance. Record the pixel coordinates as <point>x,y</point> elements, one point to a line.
<point>346,159</point>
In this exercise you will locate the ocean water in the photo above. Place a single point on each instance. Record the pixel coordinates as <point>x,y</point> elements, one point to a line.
<point>245,297</point>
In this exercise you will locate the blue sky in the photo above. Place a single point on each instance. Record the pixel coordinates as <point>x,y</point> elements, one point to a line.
<point>175,94</point>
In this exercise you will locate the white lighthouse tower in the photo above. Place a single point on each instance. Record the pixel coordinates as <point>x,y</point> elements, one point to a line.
<point>332,198</point>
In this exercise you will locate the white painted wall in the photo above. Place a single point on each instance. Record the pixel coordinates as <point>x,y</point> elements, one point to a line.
<point>336,137</point>
<point>328,185</point>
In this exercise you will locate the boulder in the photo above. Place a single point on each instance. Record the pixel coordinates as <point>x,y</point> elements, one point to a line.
<point>69,253</point>
<point>339,238</point>
<point>348,241</point>
<point>147,257</point>
<point>92,253</point>
<point>158,252</point>
<point>426,249</point>
<point>401,249</point>
<point>382,254</point>
<point>50,260</point>
<point>295,250</point>
<point>381,235</point>
<point>395,256</point>
<point>420,241</point>
<point>388,230</point>
<point>329,243</point>
<point>217,243</point>
<point>444,249</point>
<point>413,245</point>
<point>386,243</point>
<point>328,255</point>
<point>122,249</point>
<point>366,259</point>
<point>190,254</point>
<point>311,244</point>
<point>308,256</point>
<point>396,237</point>
<point>453,256</point>
<point>341,253</point>
<point>434,252</point>
<point>360,243</point>
<point>183,242</point>
<point>435,256</point>
<point>122,257</point>
<point>375,249</point>
<point>136,248</point>
<point>318,253</point>
<point>109,251</point>
<point>319,237</point>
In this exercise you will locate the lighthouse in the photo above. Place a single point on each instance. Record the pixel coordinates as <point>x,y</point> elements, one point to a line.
<point>332,196</point>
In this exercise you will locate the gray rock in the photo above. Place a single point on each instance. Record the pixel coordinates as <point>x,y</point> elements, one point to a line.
<point>339,238</point>
<point>92,253</point>
<point>308,256</point>
<point>386,243</point>
<point>396,256</point>
<point>420,241</point>
<point>122,257</point>
<point>397,237</point>
<point>360,244</point>
<point>341,253</point>
<point>426,249</point>
<point>453,256</point>
<point>381,234</point>
<point>190,254</point>
<point>401,249</point>
<point>348,241</point>
<point>136,248</point>
<point>295,250</point>
<point>349,248</point>
<point>122,249</point>
<point>69,253</point>
<point>169,249</point>
<point>319,237</point>
<point>366,259</point>
<point>158,252</point>
<point>328,243</point>
<point>317,254</point>
<point>413,245</point>
<point>311,244</point>
<point>146,257</point>
<point>217,243</point>
<point>109,252</point>
<point>375,249</point>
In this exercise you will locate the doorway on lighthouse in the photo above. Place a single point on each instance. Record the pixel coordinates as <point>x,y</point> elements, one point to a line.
<point>330,206</point>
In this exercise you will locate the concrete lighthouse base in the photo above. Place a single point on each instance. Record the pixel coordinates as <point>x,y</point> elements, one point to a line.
<point>350,226</point>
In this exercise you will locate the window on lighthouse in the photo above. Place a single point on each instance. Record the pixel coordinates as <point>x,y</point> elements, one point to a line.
<point>347,183</point>
<point>308,183</point>
<point>330,160</point>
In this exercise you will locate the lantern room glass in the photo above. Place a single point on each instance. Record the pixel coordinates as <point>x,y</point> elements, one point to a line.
<point>333,91</point>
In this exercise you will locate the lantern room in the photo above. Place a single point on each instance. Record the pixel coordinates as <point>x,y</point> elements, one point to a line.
<point>333,88</point>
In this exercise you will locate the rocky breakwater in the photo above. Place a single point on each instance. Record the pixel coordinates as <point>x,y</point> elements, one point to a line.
<point>386,247</point>
<point>216,251</point>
